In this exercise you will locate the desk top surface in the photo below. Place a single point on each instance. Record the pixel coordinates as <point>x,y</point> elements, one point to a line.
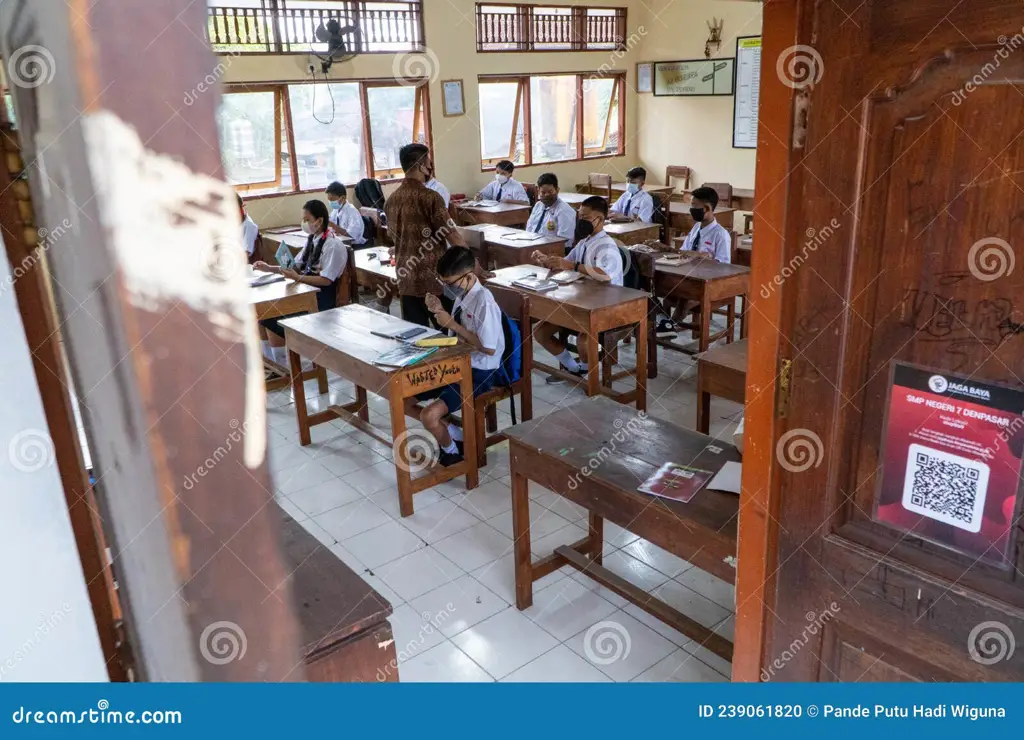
<point>331,601</point>
<point>703,269</point>
<point>346,330</point>
<point>505,236</point>
<point>649,187</point>
<point>373,264</point>
<point>276,291</point>
<point>503,207</point>
<point>585,294</point>
<point>628,227</point>
<point>683,208</point>
<point>640,444</point>
<point>731,356</point>
<point>297,238</point>
<point>742,192</point>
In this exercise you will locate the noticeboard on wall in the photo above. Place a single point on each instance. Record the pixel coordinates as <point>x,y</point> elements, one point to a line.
<point>748,86</point>
<point>695,77</point>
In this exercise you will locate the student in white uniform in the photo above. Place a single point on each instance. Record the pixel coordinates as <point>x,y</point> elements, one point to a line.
<point>635,204</point>
<point>597,256</point>
<point>551,215</point>
<point>708,239</point>
<point>475,319</point>
<point>503,188</point>
<point>250,232</point>
<point>345,218</point>
<point>434,184</point>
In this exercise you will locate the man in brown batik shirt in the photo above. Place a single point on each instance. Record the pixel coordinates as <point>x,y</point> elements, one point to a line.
<point>421,228</point>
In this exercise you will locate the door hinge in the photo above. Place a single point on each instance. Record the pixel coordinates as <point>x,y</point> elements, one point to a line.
<point>124,649</point>
<point>782,393</point>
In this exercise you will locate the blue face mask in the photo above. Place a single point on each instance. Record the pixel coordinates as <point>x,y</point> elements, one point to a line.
<point>335,205</point>
<point>633,187</point>
<point>454,291</point>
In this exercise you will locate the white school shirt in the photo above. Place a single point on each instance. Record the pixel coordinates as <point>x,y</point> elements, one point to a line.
<point>599,250</point>
<point>332,258</point>
<point>249,233</point>
<point>440,189</point>
<point>481,315</point>
<point>511,190</point>
<point>558,220</point>
<point>639,204</point>
<point>348,218</point>
<point>714,240</point>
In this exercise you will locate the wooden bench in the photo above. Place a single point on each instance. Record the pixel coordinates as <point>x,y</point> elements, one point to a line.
<point>619,448</point>
<point>721,371</point>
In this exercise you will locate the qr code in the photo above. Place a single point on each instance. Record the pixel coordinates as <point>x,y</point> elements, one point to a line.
<point>945,487</point>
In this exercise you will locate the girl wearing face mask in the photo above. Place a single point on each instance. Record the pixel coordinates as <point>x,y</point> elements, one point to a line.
<point>504,188</point>
<point>320,263</point>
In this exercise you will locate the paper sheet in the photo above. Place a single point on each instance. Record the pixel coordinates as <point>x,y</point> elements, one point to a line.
<point>728,478</point>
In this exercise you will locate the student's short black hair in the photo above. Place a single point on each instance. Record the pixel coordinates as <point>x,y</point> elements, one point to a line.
<point>240,203</point>
<point>411,155</point>
<point>708,195</point>
<point>317,209</point>
<point>454,261</point>
<point>506,166</point>
<point>596,203</point>
<point>548,178</point>
<point>337,189</point>
<point>637,172</point>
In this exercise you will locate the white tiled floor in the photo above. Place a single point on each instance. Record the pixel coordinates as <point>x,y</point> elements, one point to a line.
<point>448,572</point>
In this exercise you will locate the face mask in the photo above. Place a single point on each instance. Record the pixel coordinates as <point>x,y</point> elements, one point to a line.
<point>633,187</point>
<point>306,228</point>
<point>548,200</point>
<point>697,214</point>
<point>583,229</point>
<point>501,178</point>
<point>454,291</point>
<point>335,205</point>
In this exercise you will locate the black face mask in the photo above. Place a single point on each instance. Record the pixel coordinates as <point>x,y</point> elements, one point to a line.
<point>583,229</point>
<point>697,214</point>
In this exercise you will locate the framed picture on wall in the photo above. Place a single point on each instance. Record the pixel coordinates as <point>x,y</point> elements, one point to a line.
<point>644,78</point>
<point>453,101</point>
<point>695,77</point>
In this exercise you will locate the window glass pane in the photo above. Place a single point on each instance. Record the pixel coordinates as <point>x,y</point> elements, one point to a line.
<point>392,111</point>
<point>248,149</point>
<point>600,116</point>
<point>497,114</point>
<point>553,111</point>
<point>328,127</point>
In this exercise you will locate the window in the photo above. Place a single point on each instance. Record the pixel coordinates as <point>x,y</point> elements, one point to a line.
<point>300,137</point>
<point>520,27</point>
<point>551,118</point>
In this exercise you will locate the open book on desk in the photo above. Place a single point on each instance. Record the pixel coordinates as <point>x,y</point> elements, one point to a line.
<point>536,283</point>
<point>404,355</point>
<point>480,203</point>
<point>521,236</point>
<point>264,278</point>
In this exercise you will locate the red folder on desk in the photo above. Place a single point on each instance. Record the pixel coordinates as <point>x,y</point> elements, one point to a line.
<point>677,482</point>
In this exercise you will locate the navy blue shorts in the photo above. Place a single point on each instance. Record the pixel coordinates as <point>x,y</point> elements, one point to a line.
<point>483,381</point>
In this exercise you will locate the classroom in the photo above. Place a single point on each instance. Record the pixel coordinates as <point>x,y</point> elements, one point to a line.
<point>429,337</point>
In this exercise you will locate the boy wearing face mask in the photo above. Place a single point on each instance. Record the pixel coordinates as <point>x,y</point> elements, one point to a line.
<point>635,204</point>
<point>503,188</point>
<point>597,256</point>
<point>475,318</point>
<point>345,217</point>
<point>436,185</point>
<point>552,216</point>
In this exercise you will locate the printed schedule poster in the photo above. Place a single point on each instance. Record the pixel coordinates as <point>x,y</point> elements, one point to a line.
<point>952,461</point>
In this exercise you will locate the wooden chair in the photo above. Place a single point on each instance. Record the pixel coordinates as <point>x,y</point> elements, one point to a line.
<point>531,193</point>
<point>347,286</point>
<point>600,184</point>
<point>382,234</point>
<point>724,191</point>
<point>682,173</point>
<point>748,224</point>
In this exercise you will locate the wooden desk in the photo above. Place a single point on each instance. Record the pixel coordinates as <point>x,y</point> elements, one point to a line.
<point>295,239</point>
<point>618,188</point>
<point>340,340</point>
<point>373,269</point>
<point>503,214</point>
<point>743,199</point>
<point>553,449</point>
<point>632,232</point>
<point>501,250</point>
<point>589,308</point>
<point>721,371</point>
<point>575,199</point>
<point>680,221</point>
<point>744,250</point>
<point>346,635</point>
<point>283,298</point>
<point>710,283</point>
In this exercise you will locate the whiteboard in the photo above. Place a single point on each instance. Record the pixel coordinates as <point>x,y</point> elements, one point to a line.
<point>694,77</point>
<point>748,87</point>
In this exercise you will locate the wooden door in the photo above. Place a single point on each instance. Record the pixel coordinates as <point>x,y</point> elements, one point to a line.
<point>890,213</point>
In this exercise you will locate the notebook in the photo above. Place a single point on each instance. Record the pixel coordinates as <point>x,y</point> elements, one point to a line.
<point>565,277</point>
<point>676,482</point>
<point>265,278</point>
<point>539,284</point>
<point>404,355</point>
<point>284,257</point>
<point>481,203</point>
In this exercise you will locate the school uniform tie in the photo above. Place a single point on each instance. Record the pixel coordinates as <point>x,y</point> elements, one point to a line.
<point>540,224</point>
<point>629,202</point>
<point>501,189</point>
<point>696,242</point>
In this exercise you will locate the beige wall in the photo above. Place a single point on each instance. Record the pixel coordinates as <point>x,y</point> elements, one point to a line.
<point>693,131</point>
<point>451,36</point>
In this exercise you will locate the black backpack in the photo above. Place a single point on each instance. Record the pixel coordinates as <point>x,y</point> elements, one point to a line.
<point>370,194</point>
<point>630,273</point>
<point>659,215</point>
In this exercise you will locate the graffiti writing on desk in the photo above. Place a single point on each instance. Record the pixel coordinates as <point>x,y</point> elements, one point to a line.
<point>433,375</point>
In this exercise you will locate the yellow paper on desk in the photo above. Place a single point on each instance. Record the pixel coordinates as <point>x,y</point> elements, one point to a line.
<point>437,342</point>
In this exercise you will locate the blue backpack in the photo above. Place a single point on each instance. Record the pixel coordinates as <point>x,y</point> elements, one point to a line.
<point>511,356</point>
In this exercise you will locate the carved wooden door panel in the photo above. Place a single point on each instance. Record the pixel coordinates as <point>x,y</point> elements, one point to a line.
<point>905,218</point>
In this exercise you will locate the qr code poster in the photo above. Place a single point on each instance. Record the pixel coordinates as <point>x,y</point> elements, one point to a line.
<point>951,462</point>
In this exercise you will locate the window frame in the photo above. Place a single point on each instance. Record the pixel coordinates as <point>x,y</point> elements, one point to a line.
<point>525,15</point>
<point>285,128</point>
<point>523,104</point>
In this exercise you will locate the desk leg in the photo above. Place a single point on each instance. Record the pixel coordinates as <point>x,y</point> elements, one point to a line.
<point>595,525</point>
<point>743,316</point>
<point>521,538</point>
<point>705,322</point>
<point>321,378</point>
<point>730,322</point>
<point>641,366</point>
<point>363,410</point>
<point>594,364</point>
<point>397,406</point>
<point>652,344</point>
<point>299,390</point>
<point>703,406</point>
<point>469,422</point>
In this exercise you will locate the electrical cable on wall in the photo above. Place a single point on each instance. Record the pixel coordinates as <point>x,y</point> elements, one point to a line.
<point>313,104</point>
